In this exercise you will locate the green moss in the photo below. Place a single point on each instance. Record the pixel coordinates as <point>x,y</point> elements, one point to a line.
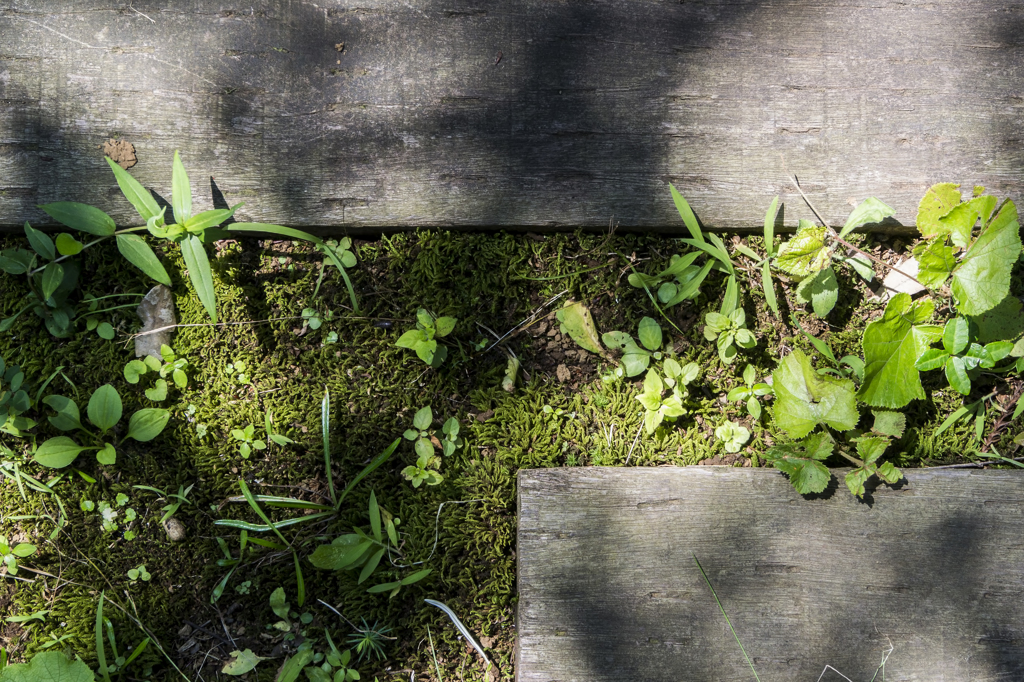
<point>491,283</point>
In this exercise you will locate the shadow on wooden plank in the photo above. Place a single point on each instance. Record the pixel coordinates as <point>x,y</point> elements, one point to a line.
<point>609,590</point>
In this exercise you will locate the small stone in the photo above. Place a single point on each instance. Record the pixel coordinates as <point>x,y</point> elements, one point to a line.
<point>185,631</point>
<point>156,311</point>
<point>175,529</point>
<point>895,282</point>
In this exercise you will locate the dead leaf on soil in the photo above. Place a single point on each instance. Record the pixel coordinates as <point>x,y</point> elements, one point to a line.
<point>579,325</point>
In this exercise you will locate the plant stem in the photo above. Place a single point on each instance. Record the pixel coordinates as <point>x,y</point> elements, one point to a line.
<point>92,243</point>
<point>845,243</point>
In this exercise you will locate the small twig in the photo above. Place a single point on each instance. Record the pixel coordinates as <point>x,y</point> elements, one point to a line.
<point>528,320</point>
<point>847,244</point>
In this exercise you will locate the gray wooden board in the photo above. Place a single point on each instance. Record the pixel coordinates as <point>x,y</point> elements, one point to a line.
<point>608,589</point>
<point>518,113</point>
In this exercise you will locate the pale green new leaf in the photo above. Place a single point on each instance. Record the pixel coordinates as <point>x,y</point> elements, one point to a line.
<point>805,253</point>
<point>137,252</point>
<point>802,461</point>
<point>199,272</point>
<point>871,210</point>
<point>804,398</point>
<point>935,262</point>
<point>892,345</point>
<point>181,192</point>
<point>939,200</point>
<point>579,325</point>
<point>961,220</point>
<point>650,333</point>
<point>983,279</point>
<point>134,192</point>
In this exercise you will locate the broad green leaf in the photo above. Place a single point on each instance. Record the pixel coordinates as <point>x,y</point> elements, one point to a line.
<point>871,448</point>
<point>939,200</point>
<point>802,461</point>
<point>411,339</point>
<point>650,333</point>
<point>956,374</point>
<point>194,253</point>
<point>278,604</point>
<point>686,214</point>
<point>146,424</point>
<point>935,262</point>
<point>983,279</point>
<point>423,418</point>
<point>104,409</point>
<point>861,265</point>
<point>68,417</point>
<point>426,349</point>
<point>53,275</point>
<point>443,326</point>
<point>652,420</point>
<point>40,242</point>
<point>48,666</point>
<point>856,479</point>
<point>68,245</point>
<point>577,322</point>
<point>137,195</point>
<point>961,220</point>
<point>81,217</point>
<point>206,219</point>
<point>57,453</point>
<point>871,210</point>
<point>804,398</point>
<point>293,666</point>
<point>106,455</point>
<point>892,345</point>
<point>805,253</point>
<point>1005,322</point>
<point>241,662</point>
<point>933,358</point>
<point>956,335</point>
<point>158,391</point>
<point>181,192</point>
<point>137,252</point>
<point>821,290</point>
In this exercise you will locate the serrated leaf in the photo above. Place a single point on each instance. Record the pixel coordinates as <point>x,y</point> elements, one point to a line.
<point>889,423</point>
<point>871,448</point>
<point>889,473</point>
<point>802,461</point>
<point>935,262</point>
<point>649,333</point>
<point>1005,322</point>
<point>961,219</point>
<point>939,200</point>
<point>104,408</point>
<point>81,217</point>
<point>856,479</point>
<point>805,253</point>
<point>871,210</point>
<point>48,666</point>
<point>892,345</point>
<point>804,398</point>
<point>983,279</point>
<point>821,290</point>
<point>579,325</point>
<point>137,252</point>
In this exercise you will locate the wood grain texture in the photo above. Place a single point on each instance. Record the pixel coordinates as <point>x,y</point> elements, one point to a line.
<point>519,113</point>
<point>608,589</point>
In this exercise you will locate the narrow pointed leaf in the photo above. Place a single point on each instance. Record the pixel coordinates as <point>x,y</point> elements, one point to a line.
<point>199,272</point>
<point>81,217</point>
<point>181,192</point>
<point>137,195</point>
<point>137,252</point>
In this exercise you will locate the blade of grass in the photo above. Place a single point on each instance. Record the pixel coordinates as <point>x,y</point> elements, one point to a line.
<point>101,655</point>
<point>433,655</point>
<point>463,630</point>
<point>368,469</point>
<point>727,621</point>
<point>325,427</point>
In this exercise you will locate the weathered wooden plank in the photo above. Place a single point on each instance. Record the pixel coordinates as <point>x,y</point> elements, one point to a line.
<point>608,589</point>
<point>520,113</point>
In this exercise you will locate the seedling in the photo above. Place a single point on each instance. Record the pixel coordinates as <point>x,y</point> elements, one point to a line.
<point>139,573</point>
<point>423,339</point>
<point>236,370</point>
<point>679,282</point>
<point>10,555</point>
<point>728,331</point>
<point>175,500</point>
<point>636,360</point>
<point>369,640</point>
<point>172,366</point>
<point>104,411</point>
<point>657,405</point>
<point>750,392</point>
<point>14,400</point>
<point>714,247</point>
<point>247,441</point>
<point>961,356</point>
<point>733,436</point>
<point>425,441</point>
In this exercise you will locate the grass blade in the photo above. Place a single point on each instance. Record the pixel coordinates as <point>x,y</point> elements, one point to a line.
<point>181,192</point>
<point>101,654</point>
<point>769,227</point>
<point>463,630</point>
<point>769,288</point>
<point>199,272</point>
<point>727,621</point>
<point>686,213</point>
<point>257,528</point>
<point>325,427</point>
<point>368,469</point>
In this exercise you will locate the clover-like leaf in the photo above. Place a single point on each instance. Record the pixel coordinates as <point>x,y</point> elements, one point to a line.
<point>804,398</point>
<point>892,345</point>
<point>802,461</point>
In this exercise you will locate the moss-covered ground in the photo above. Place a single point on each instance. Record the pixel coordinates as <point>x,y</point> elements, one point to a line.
<point>567,409</point>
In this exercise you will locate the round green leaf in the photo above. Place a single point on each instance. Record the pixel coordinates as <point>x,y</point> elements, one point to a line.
<point>105,331</point>
<point>146,424</point>
<point>444,325</point>
<point>133,370</point>
<point>57,453</point>
<point>424,416</point>
<point>105,407</point>
<point>158,392</point>
<point>108,455</point>
<point>650,333</point>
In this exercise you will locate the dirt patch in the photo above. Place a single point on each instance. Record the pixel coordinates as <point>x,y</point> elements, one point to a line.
<point>121,152</point>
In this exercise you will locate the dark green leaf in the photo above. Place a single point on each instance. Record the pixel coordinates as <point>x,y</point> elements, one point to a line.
<point>956,335</point>
<point>81,217</point>
<point>53,275</point>
<point>40,242</point>
<point>104,409</point>
<point>134,192</point>
<point>67,417</point>
<point>802,461</point>
<point>956,374</point>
